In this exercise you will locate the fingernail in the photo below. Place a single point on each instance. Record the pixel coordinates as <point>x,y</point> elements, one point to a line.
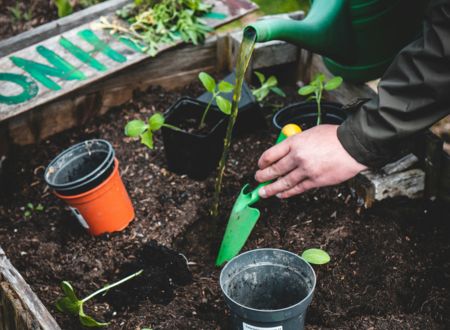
<point>262,193</point>
<point>279,195</point>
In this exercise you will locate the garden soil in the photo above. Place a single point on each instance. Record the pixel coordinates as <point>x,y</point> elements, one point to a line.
<point>389,269</point>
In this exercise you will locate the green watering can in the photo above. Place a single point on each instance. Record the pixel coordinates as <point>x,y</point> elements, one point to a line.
<point>358,38</point>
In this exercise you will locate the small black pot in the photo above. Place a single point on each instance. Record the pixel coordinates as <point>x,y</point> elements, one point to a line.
<point>196,155</point>
<point>304,114</point>
<point>81,167</point>
<point>250,116</point>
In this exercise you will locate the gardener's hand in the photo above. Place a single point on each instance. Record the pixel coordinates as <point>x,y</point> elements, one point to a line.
<point>312,159</point>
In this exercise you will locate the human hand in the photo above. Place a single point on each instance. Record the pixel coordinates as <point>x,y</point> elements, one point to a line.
<point>312,159</point>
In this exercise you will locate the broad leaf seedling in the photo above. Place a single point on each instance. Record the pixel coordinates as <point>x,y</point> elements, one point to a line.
<point>267,86</point>
<point>139,128</point>
<point>30,209</point>
<point>215,89</point>
<point>70,304</point>
<point>316,256</point>
<point>316,87</point>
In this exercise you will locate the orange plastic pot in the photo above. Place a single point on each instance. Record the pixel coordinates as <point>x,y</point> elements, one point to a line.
<point>106,208</point>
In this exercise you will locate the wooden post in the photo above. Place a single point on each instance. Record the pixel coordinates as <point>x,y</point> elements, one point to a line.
<point>20,308</point>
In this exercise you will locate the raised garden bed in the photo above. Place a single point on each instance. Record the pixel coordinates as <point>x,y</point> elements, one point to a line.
<point>390,264</point>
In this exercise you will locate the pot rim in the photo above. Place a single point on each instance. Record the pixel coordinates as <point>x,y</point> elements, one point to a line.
<point>267,311</point>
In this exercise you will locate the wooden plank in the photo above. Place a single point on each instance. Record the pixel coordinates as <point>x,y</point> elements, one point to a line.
<point>172,69</point>
<point>20,308</point>
<point>88,75</point>
<point>45,31</point>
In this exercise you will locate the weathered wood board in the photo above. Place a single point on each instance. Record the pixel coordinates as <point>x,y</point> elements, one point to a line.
<point>76,58</point>
<point>20,308</point>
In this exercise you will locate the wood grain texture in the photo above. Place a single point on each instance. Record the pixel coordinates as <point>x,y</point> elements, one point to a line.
<point>45,31</point>
<point>20,308</point>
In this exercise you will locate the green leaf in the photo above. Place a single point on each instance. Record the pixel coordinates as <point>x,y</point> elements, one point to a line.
<point>27,214</point>
<point>224,105</point>
<point>40,207</point>
<point>225,87</point>
<point>66,305</point>
<point>89,322</point>
<point>64,7</point>
<point>306,90</point>
<point>147,139</point>
<point>69,291</point>
<point>333,83</point>
<point>208,82</point>
<point>320,77</point>
<point>261,77</point>
<point>262,94</point>
<point>278,91</point>
<point>30,206</point>
<point>271,82</point>
<point>135,128</point>
<point>156,121</point>
<point>316,256</point>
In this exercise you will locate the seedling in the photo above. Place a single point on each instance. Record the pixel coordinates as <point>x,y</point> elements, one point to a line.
<point>316,87</point>
<point>70,304</point>
<point>20,15</point>
<point>267,86</point>
<point>139,128</point>
<point>64,7</point>
<point>316,256</point>
<point>211,86</point>
<point>30,209</point>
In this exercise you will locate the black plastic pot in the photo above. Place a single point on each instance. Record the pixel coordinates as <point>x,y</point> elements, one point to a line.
<point>196,155</point>
<point>80,167</point>
<point>250,116</point>
<point>304,114</point>
<point>268,289</point>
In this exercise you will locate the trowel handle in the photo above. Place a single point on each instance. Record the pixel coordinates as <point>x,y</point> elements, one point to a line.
<point>287,130</point>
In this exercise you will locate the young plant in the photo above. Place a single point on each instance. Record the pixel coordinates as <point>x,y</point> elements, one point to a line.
<point>210,85</point>
<point>139,128</point>
<point>316,87</point>
<point>267,86</point>
<point>20,15</point>
<point>30,209</point>
<point>70,304</point>
<point>64,7</point>
<point>316,256</point>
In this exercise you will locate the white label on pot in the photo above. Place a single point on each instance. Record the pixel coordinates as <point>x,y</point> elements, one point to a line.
<point>252,327</point>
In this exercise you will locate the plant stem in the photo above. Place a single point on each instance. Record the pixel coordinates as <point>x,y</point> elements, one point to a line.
<point>202,122</point>
<point>173,127</point>
<point>110,286</point>
<point>319,109</point>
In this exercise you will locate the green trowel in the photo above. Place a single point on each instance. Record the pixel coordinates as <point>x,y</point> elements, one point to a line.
<point>243,217</point>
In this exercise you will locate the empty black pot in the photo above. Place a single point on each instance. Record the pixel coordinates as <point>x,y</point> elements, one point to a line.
<point>81,167</point>
<point>196,155</point>
<point>304,114</point>
<point>268,289</point>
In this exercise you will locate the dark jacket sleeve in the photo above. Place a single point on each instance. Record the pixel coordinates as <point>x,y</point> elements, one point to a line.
<point>413,94</point>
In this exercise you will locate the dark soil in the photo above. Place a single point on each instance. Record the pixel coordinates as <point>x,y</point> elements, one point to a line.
<point>19,16</point>
<point>390,265</point>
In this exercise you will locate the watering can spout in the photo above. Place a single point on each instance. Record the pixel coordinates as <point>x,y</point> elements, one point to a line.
<point>326,30</point>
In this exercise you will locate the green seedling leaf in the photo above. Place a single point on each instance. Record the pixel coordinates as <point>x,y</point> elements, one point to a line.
<point>135,128</point>
<point>156,121</point>
<point>89,322</point>
<point>225,87</point>
<point>30,206</point>
<point>320,77</point>
<point>147,139</point>
<point>208,82</point>
<point>316,256</point>
<point>40,207</point>
<point>261,77</point>
<point>69,303</point>
<point>27,214</point>
<point>278,91</point>
<point>64,7</point>
<point>271,82</point>
<point>306,90</point>
<point>224,105</point>
<point>333,83</point>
